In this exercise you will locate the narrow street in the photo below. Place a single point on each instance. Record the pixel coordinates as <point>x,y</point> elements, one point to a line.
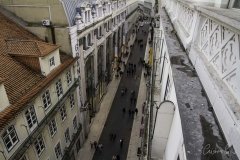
<point>118,122</point>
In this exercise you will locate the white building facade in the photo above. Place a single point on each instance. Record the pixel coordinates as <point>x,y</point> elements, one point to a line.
<point>209,49</point>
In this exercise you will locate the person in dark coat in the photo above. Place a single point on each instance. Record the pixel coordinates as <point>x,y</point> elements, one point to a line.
<point>136,111</point>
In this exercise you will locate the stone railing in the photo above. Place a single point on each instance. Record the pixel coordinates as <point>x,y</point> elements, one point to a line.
<point>220,45</point>
<point>183,16</point>
<point>211,36</point>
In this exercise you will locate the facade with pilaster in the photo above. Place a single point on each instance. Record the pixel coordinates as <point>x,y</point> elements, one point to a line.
<point>95,32</point>
<point>197,58</point>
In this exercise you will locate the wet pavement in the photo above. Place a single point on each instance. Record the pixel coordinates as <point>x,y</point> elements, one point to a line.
<point>118,122</point>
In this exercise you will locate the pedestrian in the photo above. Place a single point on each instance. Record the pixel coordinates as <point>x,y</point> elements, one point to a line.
<point>131,100</point>
<point>136,111</point>
<point>114,136</point>
<point>129,112</point>
<point>125,90</point>
<point>132,113</point>
<point>118,157</point>
<point>111,136</point>
<point>123,110</point>
<point>121,143</point>
<point>91,144</point>
<point>134,101</point>
<point>95,144</point>
<point>100,147</point>
<point>122,92</point>
<point>114,157</point>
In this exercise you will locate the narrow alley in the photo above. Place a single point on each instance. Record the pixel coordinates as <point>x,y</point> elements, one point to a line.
<point>120,122</point>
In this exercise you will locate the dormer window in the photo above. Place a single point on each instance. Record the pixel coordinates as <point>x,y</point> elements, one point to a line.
<point>52,62</point>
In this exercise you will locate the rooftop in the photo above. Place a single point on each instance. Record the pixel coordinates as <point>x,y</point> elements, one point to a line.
<point>30,48</point>
<point>21,82</point>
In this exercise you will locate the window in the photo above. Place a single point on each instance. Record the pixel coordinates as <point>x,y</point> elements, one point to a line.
<point>163,62</point>
<point>67,135</point>
<point>31,117</point>
<point>39,145</point>
<point>10,138</point>
<point>52,127</point>
<point>89,41</point>
<point>75,122</point>
<point>78,145</point>
<point>51,62</point>
<point>63,112</point>
<point>71,99</point>
<point>46,99</point>
<point>59,88</point>
<point>100,31</point>
<point>85,47</point>
<point>58,151</point>
<point>69,77</point>
<point>167,89</point>
<point>88,16</point>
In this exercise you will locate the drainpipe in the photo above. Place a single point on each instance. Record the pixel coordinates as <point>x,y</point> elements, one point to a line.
<point>52,34</point>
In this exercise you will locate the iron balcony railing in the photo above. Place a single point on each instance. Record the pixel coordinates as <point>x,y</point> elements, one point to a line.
<point>34,134</point>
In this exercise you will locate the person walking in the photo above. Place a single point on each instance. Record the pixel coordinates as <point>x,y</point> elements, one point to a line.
<point>121,143</point>
<point>114,136</point>
<point>91,144</point>
<point>136,111</point>
<point>132,113</point>
<point>111,136</point>
<point>114,157</point>
<point>134,101</point>
<point>123,110</point>
<point>129,112</point>
<point>118,157</point>
<point>100,147</point>
<point>95,144</point>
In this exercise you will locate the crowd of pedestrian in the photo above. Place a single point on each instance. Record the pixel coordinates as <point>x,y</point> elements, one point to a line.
<point>131,69</point>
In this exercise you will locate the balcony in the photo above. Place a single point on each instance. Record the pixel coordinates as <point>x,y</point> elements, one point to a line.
<point>41,125</point>
<point>88,51</point>
<point>100,40</point>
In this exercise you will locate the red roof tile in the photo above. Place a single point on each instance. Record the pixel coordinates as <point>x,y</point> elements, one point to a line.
<point>31,48</point>
<point>21,80</point>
